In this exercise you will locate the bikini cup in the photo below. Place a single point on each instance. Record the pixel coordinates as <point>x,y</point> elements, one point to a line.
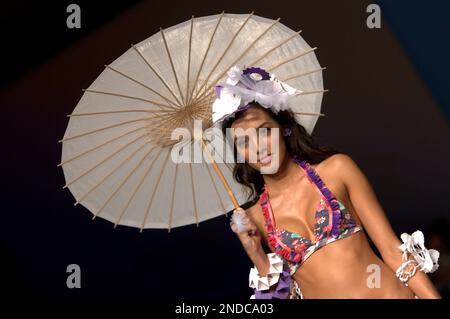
<point>331,216</point>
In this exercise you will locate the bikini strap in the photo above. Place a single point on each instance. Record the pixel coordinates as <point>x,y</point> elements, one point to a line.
<point>267,212</point>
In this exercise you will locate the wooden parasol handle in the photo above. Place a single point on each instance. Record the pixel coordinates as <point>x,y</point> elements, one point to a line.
<point>222,178</point>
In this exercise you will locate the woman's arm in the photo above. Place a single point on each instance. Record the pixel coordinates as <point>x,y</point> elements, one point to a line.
<point>375,222</point>
<point>251,240</point>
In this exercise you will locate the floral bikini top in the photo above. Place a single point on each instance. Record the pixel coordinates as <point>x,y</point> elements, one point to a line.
<point>333,222</point>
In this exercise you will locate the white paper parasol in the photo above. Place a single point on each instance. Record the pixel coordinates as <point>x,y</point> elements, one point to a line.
<point>116,153</point>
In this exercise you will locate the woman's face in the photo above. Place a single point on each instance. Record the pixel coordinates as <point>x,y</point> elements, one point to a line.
<point>268,149</point>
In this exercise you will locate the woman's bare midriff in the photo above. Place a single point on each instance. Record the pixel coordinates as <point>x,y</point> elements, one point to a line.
<point>342,269</point>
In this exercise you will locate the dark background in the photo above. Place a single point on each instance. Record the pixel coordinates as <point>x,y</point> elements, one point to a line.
<point>388,107</point>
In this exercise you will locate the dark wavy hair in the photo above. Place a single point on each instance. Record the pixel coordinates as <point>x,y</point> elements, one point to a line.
<point>299,143</point>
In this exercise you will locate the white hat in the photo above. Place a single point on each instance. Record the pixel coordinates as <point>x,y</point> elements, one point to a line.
<point>253,84</point>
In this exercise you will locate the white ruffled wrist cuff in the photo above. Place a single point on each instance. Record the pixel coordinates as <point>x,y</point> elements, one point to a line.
<point>423,259</point>
<point>263,283</point>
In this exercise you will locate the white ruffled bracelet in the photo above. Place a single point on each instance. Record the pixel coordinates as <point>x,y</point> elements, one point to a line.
<point>425,260</point>
<point>263,283</point>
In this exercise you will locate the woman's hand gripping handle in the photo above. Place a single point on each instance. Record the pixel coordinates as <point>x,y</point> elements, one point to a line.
<point>250,238</point>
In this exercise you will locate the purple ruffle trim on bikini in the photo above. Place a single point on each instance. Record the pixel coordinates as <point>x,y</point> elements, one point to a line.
<point>282,289</point>
<point>326,192</point>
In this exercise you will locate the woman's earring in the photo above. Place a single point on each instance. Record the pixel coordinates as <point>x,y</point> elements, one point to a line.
<point>287,131</point>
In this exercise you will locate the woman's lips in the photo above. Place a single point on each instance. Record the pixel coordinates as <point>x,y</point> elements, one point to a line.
<point>265,158</point>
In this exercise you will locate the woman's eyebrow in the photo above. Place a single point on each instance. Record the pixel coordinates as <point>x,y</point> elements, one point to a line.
<point>261,125</point>
<point>264,123</point>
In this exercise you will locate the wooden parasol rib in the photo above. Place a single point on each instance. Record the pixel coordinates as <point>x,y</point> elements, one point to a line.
<point>137,98</point>
<point>223,54</point>
<point>104,160</point>
<point>189,59</point>
<point>142,84</point>
<point>241,55</point>
<point>205,55</point>
<point>98,146</point>
<point>157,74</point>
<point>138,186</point>
<point>130,173</point>
<point>171,64</point>
<point>147,211</point>
<point>109,174</point>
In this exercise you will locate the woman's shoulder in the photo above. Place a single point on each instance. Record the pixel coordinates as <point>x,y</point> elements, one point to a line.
<point>333,169</point>
<point>335,163</point>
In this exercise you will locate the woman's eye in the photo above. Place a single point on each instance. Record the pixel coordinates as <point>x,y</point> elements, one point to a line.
<point>264,130</point>
<point>242,142</point>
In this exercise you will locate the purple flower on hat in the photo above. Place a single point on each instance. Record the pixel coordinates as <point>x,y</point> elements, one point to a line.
<point>263,73</point>
<point>217,89</point>
<point>287,131</point>
<point>243,107</point>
